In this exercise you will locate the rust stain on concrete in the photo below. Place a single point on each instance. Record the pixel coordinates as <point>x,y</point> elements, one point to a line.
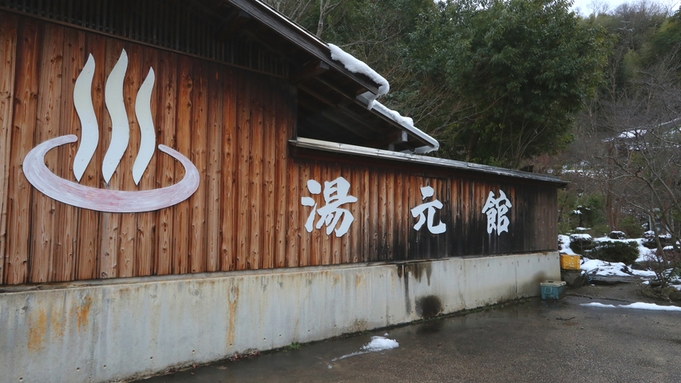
<point>359,325</point>
<point>233,299</point>
<point>83,311</point>
<point>37,329</point>
<point>57,324</point>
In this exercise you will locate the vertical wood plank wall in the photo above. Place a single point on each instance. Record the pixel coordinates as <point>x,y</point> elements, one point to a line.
<point>247,213</point>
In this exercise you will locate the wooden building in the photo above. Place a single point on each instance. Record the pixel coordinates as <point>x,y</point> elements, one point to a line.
<point>247,96</point>
<point>287,163</point>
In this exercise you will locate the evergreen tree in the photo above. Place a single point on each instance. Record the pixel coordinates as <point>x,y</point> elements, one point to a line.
<point>520,70</point>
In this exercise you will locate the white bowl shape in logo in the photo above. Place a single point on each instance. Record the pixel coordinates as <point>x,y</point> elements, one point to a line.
<point>114,201</point>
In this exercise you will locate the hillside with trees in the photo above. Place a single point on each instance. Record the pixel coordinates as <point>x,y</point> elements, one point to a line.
<point>625,159</point>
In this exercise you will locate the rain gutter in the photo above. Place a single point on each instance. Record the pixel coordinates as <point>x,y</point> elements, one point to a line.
<point>334,147</point>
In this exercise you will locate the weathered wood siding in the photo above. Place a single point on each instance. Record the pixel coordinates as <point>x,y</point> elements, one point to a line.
<point>386,192</point>
<point>226,121</point>
<point>234,126</point>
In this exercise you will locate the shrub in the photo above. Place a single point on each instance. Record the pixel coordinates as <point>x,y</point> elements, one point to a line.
<point>625,252</point>
<point>630,226</point>
<point>666,265</point>
<point>564,227</point>
<point>615,234</point>
<point>649,240</point>
<point>579,243</point>
<point>600,230</point>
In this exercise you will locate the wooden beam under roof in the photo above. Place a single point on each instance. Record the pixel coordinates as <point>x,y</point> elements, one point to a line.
<point>320,127</point>
<point>318,96</point>
<point>366,115</point>
<point>232,23</point>
<point>350,97</point>
<point>310,70</point>
<point>361,129</point>
<point>325,116</point>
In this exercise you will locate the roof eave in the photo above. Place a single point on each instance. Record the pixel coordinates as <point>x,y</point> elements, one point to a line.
<point>431,144</point>
<point>314,46</point>
<point>297,35</point>
<point>334,147</point>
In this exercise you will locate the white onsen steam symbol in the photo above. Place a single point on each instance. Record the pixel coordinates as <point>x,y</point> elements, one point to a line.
<point>115,201</point>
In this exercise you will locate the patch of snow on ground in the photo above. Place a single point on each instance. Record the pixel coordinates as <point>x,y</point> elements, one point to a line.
<point>598,267</point>
<point>650,306</point>
<point>644,254</point>
<point>596,304</point>
<point>603,268</point>
<point>564,242</point>
<point>633,133</point>
<point>637,306</point>
<point>377,343</point>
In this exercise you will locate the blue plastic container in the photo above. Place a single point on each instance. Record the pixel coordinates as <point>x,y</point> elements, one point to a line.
<point>552,289</point>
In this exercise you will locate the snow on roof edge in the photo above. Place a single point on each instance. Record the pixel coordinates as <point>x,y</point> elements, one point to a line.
<point>408,123</point>
<point>355,65</point>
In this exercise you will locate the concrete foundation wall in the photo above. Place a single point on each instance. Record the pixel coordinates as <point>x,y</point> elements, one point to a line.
<point>113,330</point>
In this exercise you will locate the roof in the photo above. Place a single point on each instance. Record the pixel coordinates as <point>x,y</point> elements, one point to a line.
<point>333,147</point>
<point>335,101</point>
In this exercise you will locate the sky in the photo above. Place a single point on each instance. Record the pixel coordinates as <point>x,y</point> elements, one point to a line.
<point>587,6</point>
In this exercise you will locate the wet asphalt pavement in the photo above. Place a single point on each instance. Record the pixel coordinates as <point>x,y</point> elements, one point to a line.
<point>530,341</point>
